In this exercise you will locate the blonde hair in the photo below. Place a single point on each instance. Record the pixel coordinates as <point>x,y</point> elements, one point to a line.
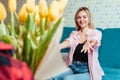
<point>89,16</point>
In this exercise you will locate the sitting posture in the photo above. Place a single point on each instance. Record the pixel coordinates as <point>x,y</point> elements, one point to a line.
<point>82,59</point>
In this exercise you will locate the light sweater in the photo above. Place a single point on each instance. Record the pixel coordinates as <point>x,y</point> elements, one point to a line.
<point>95,69</point>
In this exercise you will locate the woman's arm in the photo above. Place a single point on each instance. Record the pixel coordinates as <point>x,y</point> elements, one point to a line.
<point>92,43</point>
<point>68,41</point>
<point>64,44</point>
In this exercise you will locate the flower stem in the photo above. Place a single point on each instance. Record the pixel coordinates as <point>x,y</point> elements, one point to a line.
<point>12,24</point>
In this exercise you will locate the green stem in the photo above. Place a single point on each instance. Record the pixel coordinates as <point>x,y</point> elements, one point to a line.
<point>3,28</point>
<point>12,24</point>
<point>16,15</point>
<point>42,25</point>
<point>44,42</point>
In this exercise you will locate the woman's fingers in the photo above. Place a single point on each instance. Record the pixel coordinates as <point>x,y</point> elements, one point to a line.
<point>82,50</point>
<point>87,49</point>
<point>91,48</point>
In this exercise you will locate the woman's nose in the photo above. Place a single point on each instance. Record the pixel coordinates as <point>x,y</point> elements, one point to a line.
<point>81,19</point>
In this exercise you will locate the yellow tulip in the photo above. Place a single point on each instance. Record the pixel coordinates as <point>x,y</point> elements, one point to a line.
<point>43,9</point>
<point>12,5</point>
<point>53,12</point>
<point>62,4</point>
<point>30,5</point>
<point>37,17</point>
<point>2,12</point>
<point>23,14</point>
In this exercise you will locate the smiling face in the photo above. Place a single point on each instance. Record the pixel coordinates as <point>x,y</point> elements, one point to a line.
<point>82,19</point>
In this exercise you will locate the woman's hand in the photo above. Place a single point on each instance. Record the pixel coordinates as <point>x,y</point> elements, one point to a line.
<point>89,46</point>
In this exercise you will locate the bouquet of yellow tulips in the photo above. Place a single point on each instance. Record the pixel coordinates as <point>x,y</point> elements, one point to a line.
<point>30,31</point>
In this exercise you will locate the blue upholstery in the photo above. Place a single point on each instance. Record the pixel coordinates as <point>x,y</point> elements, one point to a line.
<point>110,48</point>
<point>111,73</point>
<point>109,52</point>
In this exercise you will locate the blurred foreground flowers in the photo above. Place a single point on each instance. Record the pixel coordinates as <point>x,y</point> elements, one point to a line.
<point>32,29</point>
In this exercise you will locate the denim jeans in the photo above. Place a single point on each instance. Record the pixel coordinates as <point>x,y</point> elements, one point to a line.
<point>70,74</point>
<point>79,67</point>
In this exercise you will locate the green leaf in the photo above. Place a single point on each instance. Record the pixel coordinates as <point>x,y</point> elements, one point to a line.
<point>3,29</point>
<point>5,38</point>
<point>32,39</point>
<point>44,42</point>
<point>30,23</point>
<point>27,41</point>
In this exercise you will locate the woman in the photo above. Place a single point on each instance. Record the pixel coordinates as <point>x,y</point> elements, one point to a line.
<point>83,56</point>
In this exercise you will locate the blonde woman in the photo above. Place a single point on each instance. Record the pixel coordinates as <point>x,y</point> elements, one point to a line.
<point>82,59</point>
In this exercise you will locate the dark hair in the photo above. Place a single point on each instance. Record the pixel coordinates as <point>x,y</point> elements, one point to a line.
<point>89,16</point>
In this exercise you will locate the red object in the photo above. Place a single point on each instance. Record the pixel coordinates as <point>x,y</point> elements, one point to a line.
<point>5,46</point>
<point>10,68</point>
<point>13,69</point>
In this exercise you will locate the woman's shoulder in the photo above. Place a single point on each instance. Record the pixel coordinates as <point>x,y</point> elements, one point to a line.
<point>74,32</point>
<point>94,31</point>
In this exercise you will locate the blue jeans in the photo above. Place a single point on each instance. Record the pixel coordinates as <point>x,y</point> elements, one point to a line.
<point>70,74</point>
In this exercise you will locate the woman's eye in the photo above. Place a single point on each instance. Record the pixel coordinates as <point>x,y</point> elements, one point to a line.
<point>84,17</point>
<point>78,17</point>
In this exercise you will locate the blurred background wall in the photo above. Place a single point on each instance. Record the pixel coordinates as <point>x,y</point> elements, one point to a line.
<point>105,13</point>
